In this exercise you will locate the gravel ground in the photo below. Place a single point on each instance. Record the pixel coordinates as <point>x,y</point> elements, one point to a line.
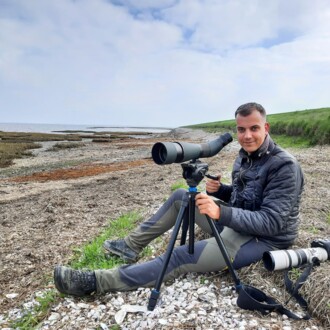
<point>56,201</point>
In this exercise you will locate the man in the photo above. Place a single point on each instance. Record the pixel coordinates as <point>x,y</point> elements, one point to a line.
<point>261,214</point>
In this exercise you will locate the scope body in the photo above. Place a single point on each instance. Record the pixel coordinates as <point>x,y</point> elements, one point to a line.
<point>178,152</point>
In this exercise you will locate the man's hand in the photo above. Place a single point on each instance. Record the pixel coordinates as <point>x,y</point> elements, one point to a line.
<point>212,186</point>
<point>206,205</point>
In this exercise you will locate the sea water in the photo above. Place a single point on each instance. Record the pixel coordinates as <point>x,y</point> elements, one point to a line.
<point>63,128</point>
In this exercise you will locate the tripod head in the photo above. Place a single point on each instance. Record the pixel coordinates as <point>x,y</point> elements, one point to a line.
<point>194,172</point>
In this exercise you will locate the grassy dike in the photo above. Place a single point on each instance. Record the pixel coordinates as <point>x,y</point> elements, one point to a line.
<point>291,129</point>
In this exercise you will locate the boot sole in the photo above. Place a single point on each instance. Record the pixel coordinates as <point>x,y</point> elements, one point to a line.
<point>119,254</point>
<point>58,280</point>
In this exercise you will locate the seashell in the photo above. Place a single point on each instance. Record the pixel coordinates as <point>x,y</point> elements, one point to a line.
<point>11,295</point>
<point>121,314</point>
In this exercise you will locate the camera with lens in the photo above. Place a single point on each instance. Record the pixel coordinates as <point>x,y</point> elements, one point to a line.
<point>286,259</point>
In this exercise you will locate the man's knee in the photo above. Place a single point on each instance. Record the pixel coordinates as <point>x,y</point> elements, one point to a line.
<point>178,197</point>
<point>249,253</point>
<point>178,194</point>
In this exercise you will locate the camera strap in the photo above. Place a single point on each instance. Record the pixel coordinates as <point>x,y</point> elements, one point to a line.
<point>254,299</point>
<point>293,288</point>
<point>251,298</point>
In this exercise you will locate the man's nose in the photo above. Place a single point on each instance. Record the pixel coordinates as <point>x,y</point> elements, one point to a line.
<point>248,134</point>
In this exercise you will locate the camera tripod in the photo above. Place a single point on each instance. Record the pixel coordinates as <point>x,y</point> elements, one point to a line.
<point>249,297</point>
<point>193,172</point>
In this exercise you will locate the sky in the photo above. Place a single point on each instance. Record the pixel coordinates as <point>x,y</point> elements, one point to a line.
<point>160,63</point>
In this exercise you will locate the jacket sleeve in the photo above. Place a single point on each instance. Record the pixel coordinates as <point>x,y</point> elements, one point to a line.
<point>280,195</point>
<point>224,193</point>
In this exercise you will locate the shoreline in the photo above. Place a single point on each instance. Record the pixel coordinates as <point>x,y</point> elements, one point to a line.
<point>66,128</point>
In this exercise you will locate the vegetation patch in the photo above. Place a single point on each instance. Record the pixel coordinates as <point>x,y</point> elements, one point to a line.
<point>36,137</point>
<point>66,145</point>
<point>92,255</point>
<point>179,184</point>
<point>14,150</point>
<point>15,145</point>
<point>31,318</point>
<point>305,127</point>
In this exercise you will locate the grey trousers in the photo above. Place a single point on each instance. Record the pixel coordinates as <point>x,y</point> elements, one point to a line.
<point>207,256</point>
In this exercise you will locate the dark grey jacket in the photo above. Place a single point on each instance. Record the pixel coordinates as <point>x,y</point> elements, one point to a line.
<point>265,194</point>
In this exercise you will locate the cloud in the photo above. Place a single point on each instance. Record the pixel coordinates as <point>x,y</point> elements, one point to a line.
<point>164,63</point>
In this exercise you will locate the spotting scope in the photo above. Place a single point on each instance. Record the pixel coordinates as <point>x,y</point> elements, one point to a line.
<point>178,152</point>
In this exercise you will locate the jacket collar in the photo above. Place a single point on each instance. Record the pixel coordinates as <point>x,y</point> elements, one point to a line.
<point>267,146</point>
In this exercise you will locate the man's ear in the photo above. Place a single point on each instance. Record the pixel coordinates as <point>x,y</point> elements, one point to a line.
<point>267,127</point>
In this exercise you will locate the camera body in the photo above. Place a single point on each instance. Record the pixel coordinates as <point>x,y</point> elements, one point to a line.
<point>322,243</point>
<point>286,259</point>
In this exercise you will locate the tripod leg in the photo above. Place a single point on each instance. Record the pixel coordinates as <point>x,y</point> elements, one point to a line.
<point>189,221</point>
<point>191,216</point>
<point>156,291</point>
<point>224,252</point>
<point>185,225</point>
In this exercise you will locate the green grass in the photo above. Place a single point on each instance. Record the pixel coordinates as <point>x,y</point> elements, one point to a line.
<point>306,127</point>
<point>179,184</point>
<point>291,141</point>
<point>32,318</point>
<point>295,274</point>
<point>92,256</point>
<point>312,124</point>
<point>183,184</point>
<point>314,230</point>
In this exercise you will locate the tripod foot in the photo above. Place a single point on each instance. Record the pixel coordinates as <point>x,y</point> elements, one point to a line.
<point>153,299</point>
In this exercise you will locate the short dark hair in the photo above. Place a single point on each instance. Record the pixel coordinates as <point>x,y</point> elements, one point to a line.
<point>247,108</point>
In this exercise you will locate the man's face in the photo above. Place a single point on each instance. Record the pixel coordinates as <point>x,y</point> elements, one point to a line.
<point>251,131</point>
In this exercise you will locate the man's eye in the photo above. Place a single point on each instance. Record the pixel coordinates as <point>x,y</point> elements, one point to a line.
<point>240,130</point>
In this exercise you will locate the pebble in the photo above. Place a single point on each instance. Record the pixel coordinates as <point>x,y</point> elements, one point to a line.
<point>186,303</point>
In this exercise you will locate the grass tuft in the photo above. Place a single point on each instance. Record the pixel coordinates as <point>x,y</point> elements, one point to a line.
<point>179,184</point>
<point>92,256</point>
<point>66,145</point>
<point>12,150</point>
<point>31,319</point>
